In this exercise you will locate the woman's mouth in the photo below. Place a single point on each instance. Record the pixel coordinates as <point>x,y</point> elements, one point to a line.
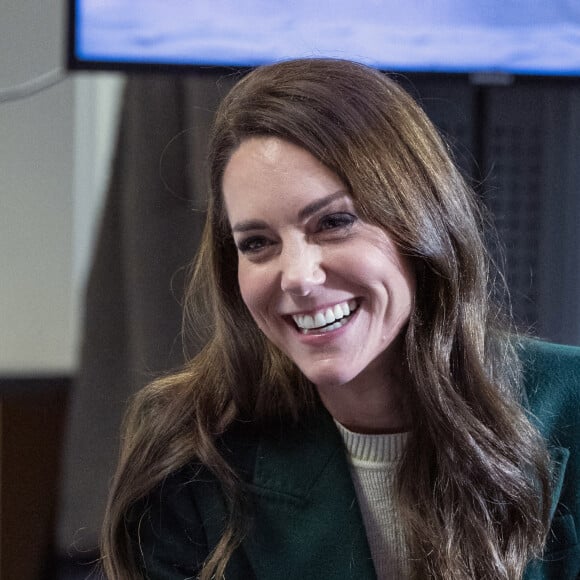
<point>326,319</point>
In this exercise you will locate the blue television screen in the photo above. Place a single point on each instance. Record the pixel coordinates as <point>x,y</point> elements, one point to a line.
<point>540,37</point>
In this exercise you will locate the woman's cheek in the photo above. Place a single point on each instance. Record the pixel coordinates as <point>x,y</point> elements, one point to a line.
<point>253,290</point>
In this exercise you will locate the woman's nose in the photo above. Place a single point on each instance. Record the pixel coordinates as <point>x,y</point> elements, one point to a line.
<point>301,269</point>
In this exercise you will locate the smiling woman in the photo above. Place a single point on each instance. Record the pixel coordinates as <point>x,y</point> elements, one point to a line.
<point>361,408</point>
<point>304,254</point>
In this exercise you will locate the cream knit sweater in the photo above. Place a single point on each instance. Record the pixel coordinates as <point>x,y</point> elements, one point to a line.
<point>373,461</point>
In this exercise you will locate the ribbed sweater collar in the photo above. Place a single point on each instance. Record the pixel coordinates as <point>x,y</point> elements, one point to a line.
<point>376,449</point>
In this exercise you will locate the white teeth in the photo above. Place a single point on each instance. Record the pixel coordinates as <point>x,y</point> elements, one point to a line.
<point>319,319</point>
<point>323,318</point>
<point>329,315</point>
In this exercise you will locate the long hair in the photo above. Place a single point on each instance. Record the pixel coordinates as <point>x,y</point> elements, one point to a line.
<point>473,485</point>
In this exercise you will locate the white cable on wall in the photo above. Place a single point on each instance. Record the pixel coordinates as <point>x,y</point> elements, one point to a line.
<point>33,86</point>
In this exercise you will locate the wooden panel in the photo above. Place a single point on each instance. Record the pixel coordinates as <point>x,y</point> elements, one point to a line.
<point>31,430</point>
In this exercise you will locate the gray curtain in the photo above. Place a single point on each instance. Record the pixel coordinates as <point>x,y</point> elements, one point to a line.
<point>148,235</point>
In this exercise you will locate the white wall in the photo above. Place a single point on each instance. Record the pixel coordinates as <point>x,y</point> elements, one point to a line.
<point>54,152</point>
<point>97,106</point>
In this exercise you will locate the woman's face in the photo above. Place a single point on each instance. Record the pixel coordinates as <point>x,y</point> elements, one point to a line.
<point>331,291</point>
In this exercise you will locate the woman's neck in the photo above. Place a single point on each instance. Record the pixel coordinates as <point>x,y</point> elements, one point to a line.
<point>373,402</point>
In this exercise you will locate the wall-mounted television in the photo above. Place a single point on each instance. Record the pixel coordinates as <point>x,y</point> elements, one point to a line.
<point>531,37</point>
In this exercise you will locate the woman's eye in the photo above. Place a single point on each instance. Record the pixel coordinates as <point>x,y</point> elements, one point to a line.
<point>252,244</point>
<point>336,221</point>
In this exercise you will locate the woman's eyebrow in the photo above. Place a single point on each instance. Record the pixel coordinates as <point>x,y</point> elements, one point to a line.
<point>317,205</point>
<point>305,212</point>
<point>249,225</point>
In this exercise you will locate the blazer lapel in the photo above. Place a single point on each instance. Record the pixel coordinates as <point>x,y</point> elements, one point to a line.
<point>559,459</point>
<point>307,520</point>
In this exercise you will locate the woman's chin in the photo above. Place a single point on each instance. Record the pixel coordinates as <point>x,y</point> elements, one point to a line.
<point>328,378</point>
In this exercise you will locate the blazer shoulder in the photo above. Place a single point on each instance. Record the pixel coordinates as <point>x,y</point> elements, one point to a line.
<point>552,386</point>
<point>549,366</point>
<point>549,356</point>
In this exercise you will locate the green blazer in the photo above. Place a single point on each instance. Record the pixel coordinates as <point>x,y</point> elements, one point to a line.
<point>306,523</point>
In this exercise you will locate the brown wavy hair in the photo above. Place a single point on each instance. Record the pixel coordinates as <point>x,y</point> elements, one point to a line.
<point>473,485</point>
